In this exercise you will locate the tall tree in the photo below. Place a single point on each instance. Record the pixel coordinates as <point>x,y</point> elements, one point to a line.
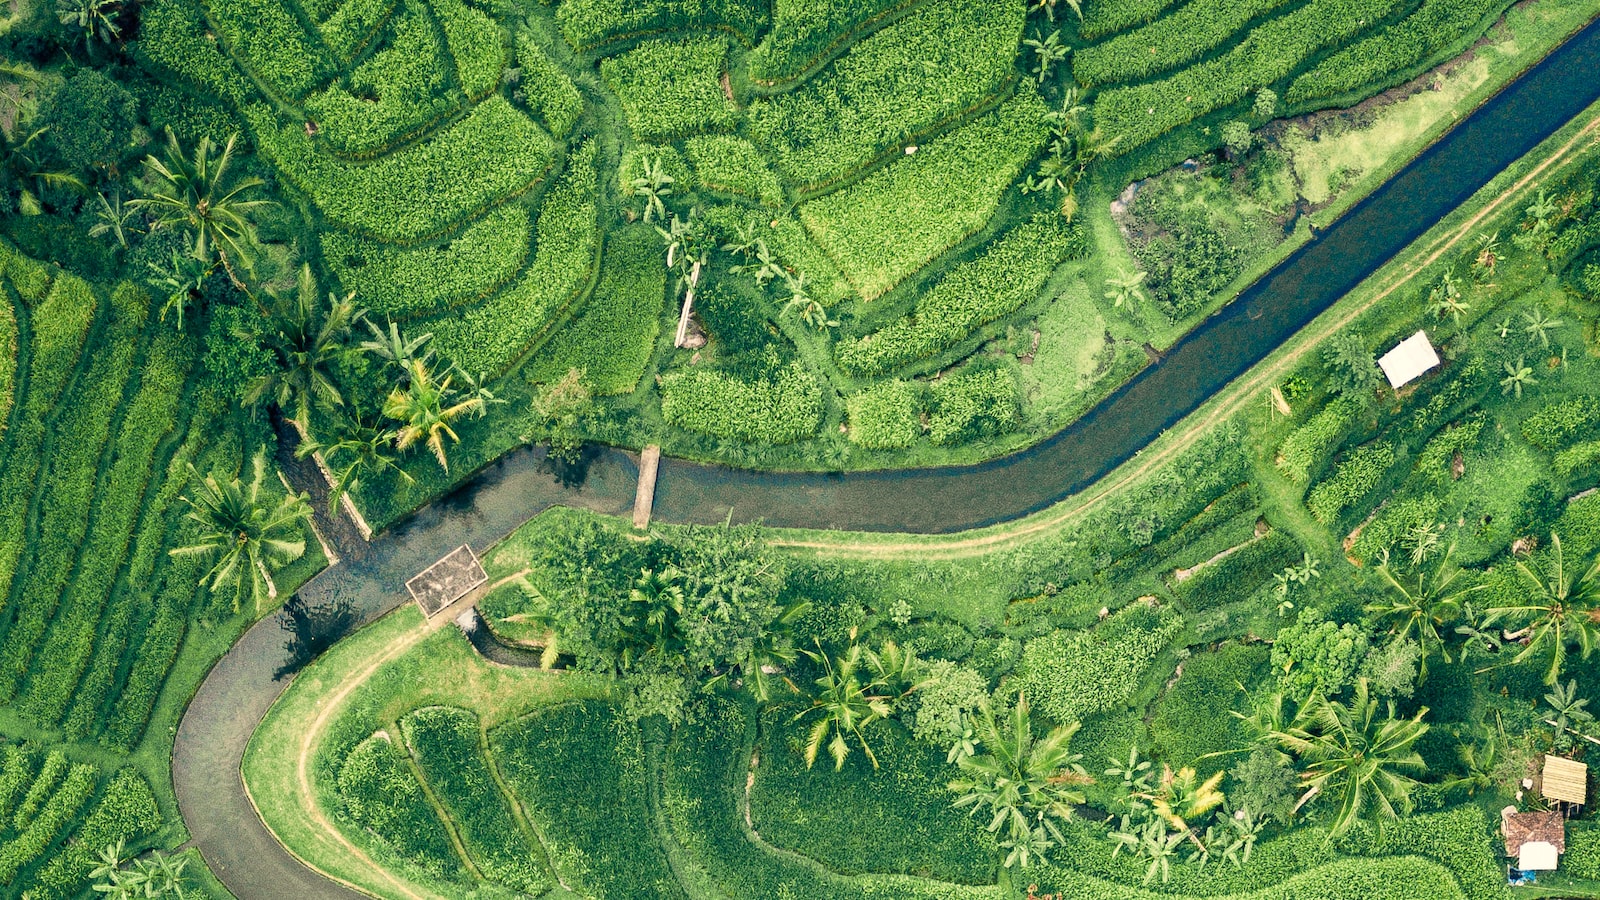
<point>359,449</point>
<point>247,535</point>
<point>1561,607</point>
<point>200,194</point>
<point>1422,601</point>
<point>426,407</point>
<point>306,338</point>
<point>849,698</point>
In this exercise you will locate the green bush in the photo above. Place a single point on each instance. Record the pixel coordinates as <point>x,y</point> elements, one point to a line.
<point>884,416</point>
<point>938,63</point>
<point>1241,574</point>
<point>1068,675</point>
<point>671,88</point>
<point>896,220</point>
<point>1138,114</point>
<point>1008,274</point>
<point>350,28</point>
<point>8,361</point>
<point>40,831</point>
<point>1307,448</point>
<point>805,31</point>
<point>272,43</point>
<point>423,190</point>
<point>1435,26</point>
<point>781,410</point>
<point>1583,850</point>
<point>40,789</point>
<point>547,89</point>
<point>1362,470</point>
<point>381,794</point>
<point>1315,654</point>
<point>1191,720</point>
<point>1436,457</point>
<point>395,93</point>
<point>446,745</point>
<point>125,812</point>
<point>494,335</point>
<point>594,24</point>
<point>1561,424</point>
<point>1193,30</point>
<point>975,402</point>
<point>1577,457</point>
<point>400,282</point>
<point>580,772</point>
<point>477,45</point>
<point>728,164</point>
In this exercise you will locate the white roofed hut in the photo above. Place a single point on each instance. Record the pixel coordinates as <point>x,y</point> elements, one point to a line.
<point>1408,360</point>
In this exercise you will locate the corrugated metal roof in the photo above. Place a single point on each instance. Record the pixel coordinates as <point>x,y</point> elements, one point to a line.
<point>1565,780</point>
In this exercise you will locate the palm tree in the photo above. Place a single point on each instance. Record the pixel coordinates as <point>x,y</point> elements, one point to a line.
<point>425,410</point>
<point>183,280</point>
<point>1488,258</point>
<point>199,193</point>
<point>1355,756</point>
<point>1047,52</point>
<point>653,184</point>
<point>1517,377</point>
<point>1569,709</point>
<point>1446,299</point>
<point>1422,602</point>
<point>1025,784</point>
<point>476,387</point>
<point>1560,609</point>
<point>848,700</point>
<point>1539,325</point>
<point>1125,287</point>
<point>1479,759</point>
<point>658,604</point>
<point>96,18</point>
<point>1181,797</point>
<point>393,347</point>
<point>112,217</point>
<point>248,535</point>
<point>360,449</point>
<point>26,165</point>
<point>768,656</point>
<point>306,339</point>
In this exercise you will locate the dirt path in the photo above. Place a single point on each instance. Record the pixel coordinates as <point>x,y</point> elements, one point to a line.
<point>1227,403</point>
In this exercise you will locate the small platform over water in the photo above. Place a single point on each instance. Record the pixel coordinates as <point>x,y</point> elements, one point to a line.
<point>447,580</point>
<point>645,498</point>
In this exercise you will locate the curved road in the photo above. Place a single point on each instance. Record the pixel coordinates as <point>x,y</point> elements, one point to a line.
<point>236,694</point>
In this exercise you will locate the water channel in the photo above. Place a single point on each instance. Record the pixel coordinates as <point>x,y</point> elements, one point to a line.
<point>237,693</point>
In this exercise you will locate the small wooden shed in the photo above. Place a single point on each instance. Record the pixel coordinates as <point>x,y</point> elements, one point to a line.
<point>1564,780</point>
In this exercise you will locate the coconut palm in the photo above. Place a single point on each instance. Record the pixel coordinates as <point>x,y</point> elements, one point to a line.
<point>247,535</point>
<point>393,347</point>
<point>653,184</point>
<point>1181,798</point>
<point>1125,287</point>
<point>306,338</point>
<point>1422,601</point>
<point>1479,759</point>
<point>1562,607</point>
<point>1360,759</point>
<point>1517,377</point>
<point>425,409</point>
<point>361,449</point>
<point>95,18</point>
<point>1569,709</point>
<point>1025,784</point>
<point>849,698</point>
<point>199,193</point>
<point>1539,325</point>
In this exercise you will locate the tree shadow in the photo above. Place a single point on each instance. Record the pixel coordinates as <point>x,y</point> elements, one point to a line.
<point>312,629</point>
<point>570,470</point>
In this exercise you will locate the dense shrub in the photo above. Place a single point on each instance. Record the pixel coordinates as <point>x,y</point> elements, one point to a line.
<point>1191,719</point>
<point>1559,425</point>
<point>580,773</point>
<point>1577,457</point>
<point>1315,654</point>
<point>998,282</point>
<point>476,44</point>
<point>39,831</point>
<point>1242,573</point>
<point>445,742</point>
<point>273,44</point>
<point>592,24</point>
<point>670,88</point>
<point>728,164</point>
<point>1306,449</point>
<point>782,410</point>
<point>737,320</point>
<point>396,92</point>
<point>423,190</point>
<point>1435,26</point>
<point>1190,32</point>
<point>897,219</point>
<point>951,692</point>
<point>805,31</point>
<point>1436,457</point>
<point>125,812</point>
<point>1138,114</point>
<point>1362,470</point>
<point>884,416</point>
<point>941,61</point>
<point>1071,674</point>
<point>492,336</point>
<point>381,794</point>
<point>976,402</point>
<point>398,282</point>
<point>1583,850</point>
<point>173,37</point>
<point>546,89</point>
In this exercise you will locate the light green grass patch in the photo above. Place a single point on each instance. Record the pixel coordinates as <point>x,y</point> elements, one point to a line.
<point>1072,354</point>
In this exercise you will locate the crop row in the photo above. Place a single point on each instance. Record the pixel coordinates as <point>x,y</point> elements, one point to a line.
<point>671,88</point>
<point>944,60</point>
<point>492,155</point>
<point>1435,26</point>
<point>173,38</point>
<point>1008,274</point>
<point>974,403</point>
<point>493,335</point>
<point>1353,479</point>
<point>147,666</point>
<point>352,26</point>
<point>728,164</point>
<point>381,795</point>
<point>47,822</point>
<point>8,360</point>
<point>884,415</point>
<point>445,743</point>
<point>1195,29</point>
<point>1308,447</point>
<point>547,89</point>
<point>805,31</point>
<point>593,24</point>
<point>1135,115</point>
<point>126,811</point>
<point>579,771</point>
<point>405,281</point>
<point>407,78</point>
<point>780,410</point>
<point>150,415</point>
<point>67,486</point>
<point>1241,574</point>
<point>1103,17</point>
<point>611,338</point>
<point>896,220</point>
<point>274,44</point>
<point>476,43</point>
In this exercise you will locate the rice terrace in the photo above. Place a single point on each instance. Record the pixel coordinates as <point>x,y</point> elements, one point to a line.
<point>800,449</point>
